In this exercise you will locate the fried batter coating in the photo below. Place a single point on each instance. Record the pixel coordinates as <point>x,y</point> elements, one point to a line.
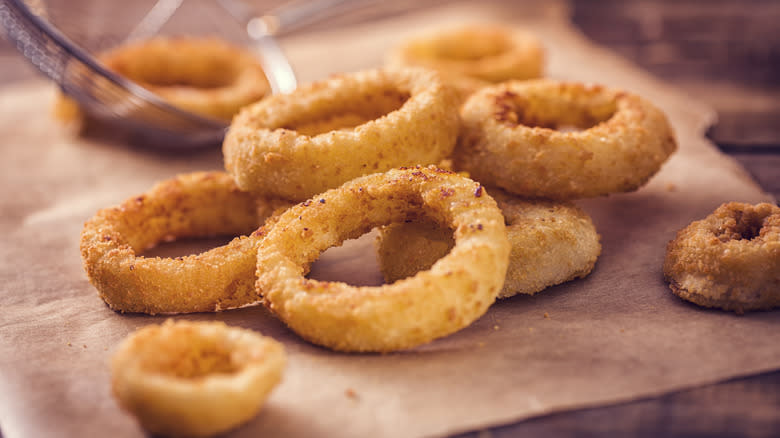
<point>473,56</point>
<point>552,243</point>
<point>728,260</point>
<point>195,379</point>
<point>200,204</point>
<point>512,137</point>
<point>206,76</point>
<point>326,133</point>
<point>449,296</point>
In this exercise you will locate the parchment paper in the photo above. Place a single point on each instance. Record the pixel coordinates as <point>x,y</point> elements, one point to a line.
<point>615,336</point>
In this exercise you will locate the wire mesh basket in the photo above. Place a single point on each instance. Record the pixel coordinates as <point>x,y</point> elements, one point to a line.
<point>61,38</point>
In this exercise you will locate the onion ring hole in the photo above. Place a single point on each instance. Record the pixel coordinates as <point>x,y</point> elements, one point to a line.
<point>349,114</point>
<point>190,357</point>
<point>747,225</point>
<point>353,263</point>
<point>561,113</point>
<point>488,45</point>
<point>183,247</point>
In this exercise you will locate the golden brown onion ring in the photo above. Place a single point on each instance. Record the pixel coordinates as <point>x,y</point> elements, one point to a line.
<point>729,260</point>
<point>457,290</point>
<point>552,243</point>
<point>195,378</point>
<point>205,76</point>
<point>510,139</point>
<point>323,134</point>
<point>473,56</point>
<point>193,205</point>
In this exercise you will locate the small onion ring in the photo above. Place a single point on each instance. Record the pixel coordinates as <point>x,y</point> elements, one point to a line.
<point>200,204</point>
<point>552,243</point>
<point>472,56</point>
<point>323,134</point>
<point>729,260</point>
<point>457,290</point>
<point>205,76</point>
<point>509,139</point>
<point>195,378</point>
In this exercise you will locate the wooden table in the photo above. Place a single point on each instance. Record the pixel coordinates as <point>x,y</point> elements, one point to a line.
<point>727,54</point>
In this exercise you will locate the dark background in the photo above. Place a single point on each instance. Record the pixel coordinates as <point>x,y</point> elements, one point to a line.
<point>723,52</point>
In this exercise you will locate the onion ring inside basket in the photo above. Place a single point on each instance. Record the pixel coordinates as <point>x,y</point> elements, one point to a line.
<point>205,76</point>
<point>195,378</point>
<point>510,139</point>
<point>729,260</point>
<point>473,56</point>
<point>457,290</point>
<point>323,134</point>
<point>552,243</point>
<point>200,204</point>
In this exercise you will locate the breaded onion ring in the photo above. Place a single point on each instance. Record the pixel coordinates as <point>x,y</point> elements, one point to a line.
<point>552,243</point>
<point>509,139</point>
<point>323,134</point>
<point>458,289</point>
<point>473,56</point>
<point>192,205</point>
<point>195,378</point>
<point>205,76</point>
<point>729,260</point>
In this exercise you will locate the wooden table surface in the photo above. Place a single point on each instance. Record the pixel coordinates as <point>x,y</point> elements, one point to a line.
<point>727,54</point>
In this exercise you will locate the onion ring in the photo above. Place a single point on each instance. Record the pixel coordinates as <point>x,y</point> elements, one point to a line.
<point>195,378</point>
<point>473,56</point>
<point>552,243</point>
<point>729,260</point>
<point>193,205</point>
<point>205,76</point>
<point>323,134</point>
<point>457,290</point>
<point>509,139</point>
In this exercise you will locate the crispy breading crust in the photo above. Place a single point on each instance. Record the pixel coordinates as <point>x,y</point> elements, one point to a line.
<point>326,133</point>
<point>473,56</point>
<point>206,76</point>
<point>510,139</point>
<point>195,378</point>
<point>552,243</point>
<point>457,290</point>
<point>729,260</point>
<point>200,204</point>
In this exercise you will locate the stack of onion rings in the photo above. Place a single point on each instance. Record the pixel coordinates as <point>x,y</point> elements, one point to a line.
<point>205,76</point>
<point>326,133</point>
<point>552,243</point>
<point>510,139</point>
<point>454,292</point>
<point>473,56</point>
<point>195,378</point>
<point>193,205</point>
<point>729,260</point>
